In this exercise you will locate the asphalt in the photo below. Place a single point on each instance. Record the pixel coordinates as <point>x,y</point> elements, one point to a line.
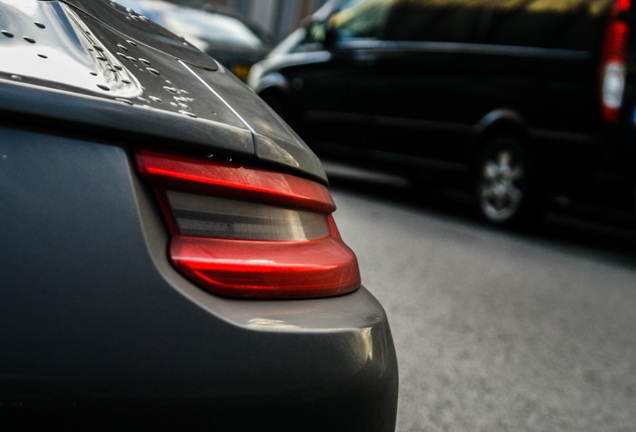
<point>496,330</point>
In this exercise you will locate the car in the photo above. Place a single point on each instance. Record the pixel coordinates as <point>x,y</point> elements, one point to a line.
<point>233,41</point>
<point>168,251</point>
<point>523,103</point>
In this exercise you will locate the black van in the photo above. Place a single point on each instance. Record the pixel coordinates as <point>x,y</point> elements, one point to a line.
<point>520,100</point>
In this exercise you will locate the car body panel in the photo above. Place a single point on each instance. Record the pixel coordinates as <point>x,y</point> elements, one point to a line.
<point>97,327</point>
<point>114,65</point>
<point>78,347</point>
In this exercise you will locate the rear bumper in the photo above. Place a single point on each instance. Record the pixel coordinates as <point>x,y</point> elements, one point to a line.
<point>100,326</point>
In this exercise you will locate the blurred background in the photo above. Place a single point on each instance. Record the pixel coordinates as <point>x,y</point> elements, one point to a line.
<point>278,17</point>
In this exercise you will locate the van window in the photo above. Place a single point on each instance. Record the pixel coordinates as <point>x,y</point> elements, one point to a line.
<point>571,24</point>
<point>359,19</point>
<point>436,20</point>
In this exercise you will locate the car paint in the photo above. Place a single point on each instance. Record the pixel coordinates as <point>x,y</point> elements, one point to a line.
<point>97,327</point>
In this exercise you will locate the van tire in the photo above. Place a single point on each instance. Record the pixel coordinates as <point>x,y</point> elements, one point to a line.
<point>503,182</point>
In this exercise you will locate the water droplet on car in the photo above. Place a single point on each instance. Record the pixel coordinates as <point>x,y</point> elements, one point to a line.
<point>153,71</point>
<point>188,113</point>
<point>144,61</point>
<point>100,58</point>
<point>103,87</point>
<point>7,33</point>
<point>93,73</point>
<point>16,77</point>
<point>29,39</point>
<point>155,99</point>
<point>44,56</point>
<point>125,81</point>
<point>122,47</point>
<point>39,24</point>
<point>132,43</point>
<point>126,101</point>
<point>132,59</point>
<point>209,155</point>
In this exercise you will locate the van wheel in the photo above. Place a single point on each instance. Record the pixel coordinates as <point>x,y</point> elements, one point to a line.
<point>502,182</point>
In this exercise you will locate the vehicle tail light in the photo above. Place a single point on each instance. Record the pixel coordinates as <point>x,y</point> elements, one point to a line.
<point>246,232</point>
<point>614,62</point>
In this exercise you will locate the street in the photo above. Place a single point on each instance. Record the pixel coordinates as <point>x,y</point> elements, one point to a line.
<point>496,330</point>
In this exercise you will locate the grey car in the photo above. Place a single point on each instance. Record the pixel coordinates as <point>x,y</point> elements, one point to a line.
<point>168,252</point>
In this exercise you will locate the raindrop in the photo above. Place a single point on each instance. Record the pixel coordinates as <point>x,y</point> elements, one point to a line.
<point>29,39</point>
<point>122,55</point>
<point>132,43</point>
<point>132,59</point>
<point>7,34</point>
<point>153,71</point>
<point>43,56</point>
<point>126,101</point>
<point>39,24</point>
<point>103,87</point>
<point>144,61</point>
<point>125,81</point>
<point>188,113</point>
<point>155,99</point>
<point>93,73</point>
<point>122,47</point>
<point>171,90</point>
<point>98,48</point>
<point>101,58</point>
<point>16,77</point>
<point>119,68</point>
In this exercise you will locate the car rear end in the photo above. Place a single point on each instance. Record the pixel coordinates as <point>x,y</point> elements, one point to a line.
<point>168,253</point>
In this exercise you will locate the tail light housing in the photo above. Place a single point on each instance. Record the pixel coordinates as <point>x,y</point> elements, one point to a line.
<point>614,62</point>
<point>240,231</point>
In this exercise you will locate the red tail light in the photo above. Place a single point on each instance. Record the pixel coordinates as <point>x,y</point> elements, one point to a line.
<point>614,63</point>
<point>245,232</point>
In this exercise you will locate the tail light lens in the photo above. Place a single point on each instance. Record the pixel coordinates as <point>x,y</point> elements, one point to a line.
<point>245,232</point>
<point>614,63</point>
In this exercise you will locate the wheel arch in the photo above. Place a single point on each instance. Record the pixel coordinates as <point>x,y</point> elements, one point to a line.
<point>498,122</point>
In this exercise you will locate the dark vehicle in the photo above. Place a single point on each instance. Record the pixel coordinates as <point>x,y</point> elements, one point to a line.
<point>517,100</point>
<point>168,255</point>
<point>234,42</point>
